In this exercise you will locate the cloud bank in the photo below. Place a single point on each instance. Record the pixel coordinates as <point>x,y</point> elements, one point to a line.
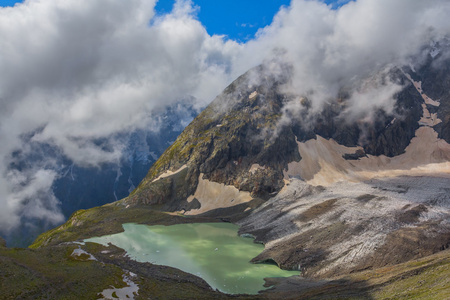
<point>76,71</point>
<point>330,48</point>
<point>73,72</point>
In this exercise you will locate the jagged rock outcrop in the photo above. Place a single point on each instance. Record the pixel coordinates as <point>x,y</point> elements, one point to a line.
<point>239,140</point>
<point>226,143</point>
<point>346,227</point>
<point>335,192</point>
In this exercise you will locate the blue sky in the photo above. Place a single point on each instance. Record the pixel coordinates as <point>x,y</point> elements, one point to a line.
<point>237,19</point>
<point>8,2</point>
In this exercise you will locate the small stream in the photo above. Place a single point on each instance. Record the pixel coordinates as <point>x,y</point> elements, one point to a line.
<point>212,251</point>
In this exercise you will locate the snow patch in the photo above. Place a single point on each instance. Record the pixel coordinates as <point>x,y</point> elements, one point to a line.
<point>418,86</point>
<point>434,52</point>
<point>253,95</point>
<point>322,162</point>
<point>127,292</point>
<point>428,119</point>
<point>116,182</point>
<point>254,168</point>
<point>169,173</point>
<point>69,170</point>
<point>78,252</point>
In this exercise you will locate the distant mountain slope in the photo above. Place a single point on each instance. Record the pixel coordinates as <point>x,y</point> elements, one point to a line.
<point>82,187</point>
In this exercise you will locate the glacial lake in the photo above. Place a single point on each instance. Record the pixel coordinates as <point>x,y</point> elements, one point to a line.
<point>212,251</point>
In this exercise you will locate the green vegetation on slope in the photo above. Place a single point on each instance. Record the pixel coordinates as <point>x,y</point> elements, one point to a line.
<point>425,278</point>
<point>108,219</point>
<point>236,131</point>
<point>52,273</point>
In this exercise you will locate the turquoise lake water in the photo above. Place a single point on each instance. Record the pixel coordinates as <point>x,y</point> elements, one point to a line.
<point>212,251</point>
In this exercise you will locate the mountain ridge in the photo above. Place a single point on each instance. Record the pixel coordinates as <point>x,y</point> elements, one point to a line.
<point>257,112</point>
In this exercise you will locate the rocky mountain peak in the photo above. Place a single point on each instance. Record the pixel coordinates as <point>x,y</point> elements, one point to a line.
<point>251,136</point>
<point>347,188</point>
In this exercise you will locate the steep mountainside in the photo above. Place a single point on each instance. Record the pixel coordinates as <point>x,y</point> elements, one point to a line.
<point>340,196</point>
<point>240,140</point>
<point>333,194</point>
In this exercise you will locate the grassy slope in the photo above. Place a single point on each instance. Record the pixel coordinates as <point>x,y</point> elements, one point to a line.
<point>108,219</point>
<point>52,273</point>
<point>426,278</point>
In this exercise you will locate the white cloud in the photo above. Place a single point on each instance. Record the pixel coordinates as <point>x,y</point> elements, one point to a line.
<point>29,196</point>
<point>75,71</point>
<point>329,48</point>
<point>92,68</point>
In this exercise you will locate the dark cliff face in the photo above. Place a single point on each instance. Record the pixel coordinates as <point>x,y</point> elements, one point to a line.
<point>224,141</point>
<point>435,77</point>
<point>241,128</point>
<point>387,134</point>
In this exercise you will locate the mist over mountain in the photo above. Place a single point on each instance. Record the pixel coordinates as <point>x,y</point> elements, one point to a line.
<point>327,127</point>
<point>58,186</point>
<point>72,77</point>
